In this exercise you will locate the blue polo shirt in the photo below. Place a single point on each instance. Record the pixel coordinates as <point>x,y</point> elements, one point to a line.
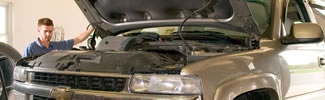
<point>35,48</point>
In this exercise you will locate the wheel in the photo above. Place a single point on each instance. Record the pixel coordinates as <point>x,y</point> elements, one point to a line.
<point>260,94</point>
<point>8,57</point>
<point>13,56</point>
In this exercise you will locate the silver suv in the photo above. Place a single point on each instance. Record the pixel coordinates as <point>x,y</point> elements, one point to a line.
<point>183,49</point>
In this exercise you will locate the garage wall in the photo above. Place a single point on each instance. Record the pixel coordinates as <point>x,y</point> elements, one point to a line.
<point>64,13</point>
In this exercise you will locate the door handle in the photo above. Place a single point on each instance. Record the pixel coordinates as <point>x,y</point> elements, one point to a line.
<point>321,62</point>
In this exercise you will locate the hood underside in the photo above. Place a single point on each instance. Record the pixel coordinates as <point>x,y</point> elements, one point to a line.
<point>121,15</point>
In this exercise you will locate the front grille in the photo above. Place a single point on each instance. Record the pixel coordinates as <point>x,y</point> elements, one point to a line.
<point>35,97</point>
<point>79,81</point>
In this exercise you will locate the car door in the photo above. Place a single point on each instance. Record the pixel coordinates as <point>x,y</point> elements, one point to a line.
<point>306,70</point>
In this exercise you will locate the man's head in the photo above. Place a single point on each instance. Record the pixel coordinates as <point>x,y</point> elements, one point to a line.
<point>45,28</point>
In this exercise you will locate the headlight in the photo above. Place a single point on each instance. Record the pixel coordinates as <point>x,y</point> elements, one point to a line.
<point>20,74</point>
<point>166,84</point>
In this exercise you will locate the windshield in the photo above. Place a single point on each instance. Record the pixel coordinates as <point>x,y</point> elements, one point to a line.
<point>167,38</point>
<point>194,35</point>
<point>260,10</point>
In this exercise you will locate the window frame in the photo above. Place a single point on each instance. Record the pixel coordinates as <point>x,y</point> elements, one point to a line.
<point>8,23</point>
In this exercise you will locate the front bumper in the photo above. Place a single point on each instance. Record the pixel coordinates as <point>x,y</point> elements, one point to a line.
<point>26,91</point>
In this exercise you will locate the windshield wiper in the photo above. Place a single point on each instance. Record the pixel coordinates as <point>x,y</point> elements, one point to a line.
<point>208,34</point>
<point>201,32</point>
<point>204,33</point>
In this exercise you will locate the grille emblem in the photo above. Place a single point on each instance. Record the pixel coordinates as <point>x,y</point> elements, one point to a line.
<point>62,93</point>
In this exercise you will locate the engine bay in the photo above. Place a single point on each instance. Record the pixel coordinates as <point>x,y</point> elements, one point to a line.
<point>146,52</point>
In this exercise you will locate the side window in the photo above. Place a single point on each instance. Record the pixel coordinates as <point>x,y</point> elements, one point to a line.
<point>5,22</point>
<point>261,12</point>
<point>296,14</point>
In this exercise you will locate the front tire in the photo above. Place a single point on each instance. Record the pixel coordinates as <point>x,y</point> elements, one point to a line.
<point>13,55</point>
<point>8,58</point>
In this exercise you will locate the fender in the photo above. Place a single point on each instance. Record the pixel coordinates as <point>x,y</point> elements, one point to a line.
<point>229,90</point>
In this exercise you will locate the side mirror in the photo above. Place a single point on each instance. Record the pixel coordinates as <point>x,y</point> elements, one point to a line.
<point>304,33</point>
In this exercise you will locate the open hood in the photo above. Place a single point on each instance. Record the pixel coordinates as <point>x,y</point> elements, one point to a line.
<point>114,16</point>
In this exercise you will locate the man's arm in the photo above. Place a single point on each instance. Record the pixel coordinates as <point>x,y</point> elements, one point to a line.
<point>83,36</point>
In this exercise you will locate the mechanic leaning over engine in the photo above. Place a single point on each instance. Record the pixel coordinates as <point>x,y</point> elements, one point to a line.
<point>44,45</point>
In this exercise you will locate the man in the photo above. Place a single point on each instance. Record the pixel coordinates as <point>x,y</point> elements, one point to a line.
<point>44,45</point>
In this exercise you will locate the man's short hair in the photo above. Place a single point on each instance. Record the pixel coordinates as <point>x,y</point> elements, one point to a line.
<point>45,21</point>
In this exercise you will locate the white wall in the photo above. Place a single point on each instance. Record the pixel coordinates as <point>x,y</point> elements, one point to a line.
<point>64,13</point>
